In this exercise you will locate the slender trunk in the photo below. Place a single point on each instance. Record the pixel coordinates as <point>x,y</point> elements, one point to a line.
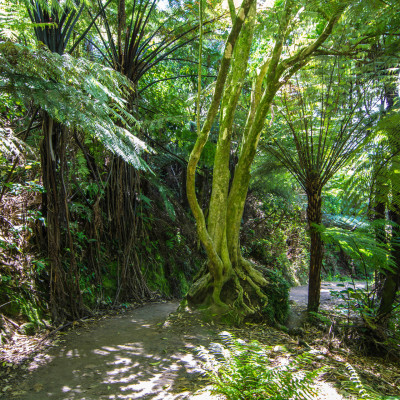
<point>316,250</point>
<point>58,292</point>
<point>379,211</point>
<point>392,282</point>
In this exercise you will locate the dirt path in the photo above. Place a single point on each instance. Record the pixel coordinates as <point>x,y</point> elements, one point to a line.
<point>135,355</point>
<point>299,294</point>
<point>131,356</point>
<point>299,297</point>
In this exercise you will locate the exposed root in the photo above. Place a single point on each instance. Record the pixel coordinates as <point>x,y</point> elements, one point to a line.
<point>244,293</point>
<point>257,289</point>
<point>239,302</point>
<point>198,290</point>
<point>256,276</point>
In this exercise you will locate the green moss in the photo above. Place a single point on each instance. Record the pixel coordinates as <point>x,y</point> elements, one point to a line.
<point>184,285</point>
<point>156,279</point>
<point>25,307</point>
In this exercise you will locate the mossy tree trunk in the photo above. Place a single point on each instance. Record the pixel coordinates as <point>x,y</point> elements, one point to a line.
<point>230,284</point>
<point>391,282</point>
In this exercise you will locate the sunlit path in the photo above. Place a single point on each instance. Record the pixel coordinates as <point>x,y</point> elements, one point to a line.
<point>131,356</point>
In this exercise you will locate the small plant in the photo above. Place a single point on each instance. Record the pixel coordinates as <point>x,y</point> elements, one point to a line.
<point>243,371</point>
<point>355,386</point>
<point>359,301</point>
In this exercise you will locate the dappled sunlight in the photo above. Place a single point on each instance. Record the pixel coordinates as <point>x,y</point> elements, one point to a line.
<point>73,353</point>
<point>131,358</point>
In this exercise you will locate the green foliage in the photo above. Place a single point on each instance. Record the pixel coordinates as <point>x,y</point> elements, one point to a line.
<point>277,308</point>
<point>272,234</point>
<point>10,145</point>
<point>12,20</point>
<point>360,245</point>
<point>17,296</point>
<point>242,371</point>
<point>365,304</point>
<point>76,92</point>
<point>393,337</point>
<point>360,301</point>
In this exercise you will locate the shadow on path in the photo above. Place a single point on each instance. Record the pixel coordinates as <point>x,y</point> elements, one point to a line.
<point>130,356</point>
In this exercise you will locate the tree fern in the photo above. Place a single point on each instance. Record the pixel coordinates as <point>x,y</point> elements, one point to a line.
<point>241,370</point>
<point>76,92</point>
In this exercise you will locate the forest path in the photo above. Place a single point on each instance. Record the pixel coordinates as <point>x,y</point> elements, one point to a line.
<point>299,294</point>
<point>135,355</point>
<point>299,298</point>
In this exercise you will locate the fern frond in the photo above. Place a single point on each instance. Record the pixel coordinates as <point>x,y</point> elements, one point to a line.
<point>75,92</point>
<point>355,383</point>
<point>360,244</point>
<point>241,370</point>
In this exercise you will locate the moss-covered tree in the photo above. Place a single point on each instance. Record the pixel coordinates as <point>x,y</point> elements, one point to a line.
<point>229,284</point>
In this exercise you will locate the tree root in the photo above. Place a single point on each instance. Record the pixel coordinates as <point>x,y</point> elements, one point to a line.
<point>256,276</point>
<point>239,302</point>
<point>244,293</point>
<point>198,290</point>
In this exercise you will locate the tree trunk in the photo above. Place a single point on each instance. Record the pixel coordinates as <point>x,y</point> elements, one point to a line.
<point>122,192</point>
<point>65,295</point>
<point>226,275</point>
<point>379,212</point>
<point>228,285</point>
<point>316,250</point>
<point>392,281</point>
